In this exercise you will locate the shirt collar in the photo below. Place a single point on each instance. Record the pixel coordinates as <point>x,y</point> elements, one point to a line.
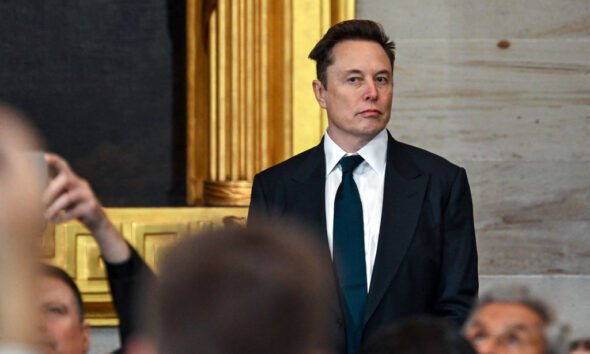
<point>374,152</point>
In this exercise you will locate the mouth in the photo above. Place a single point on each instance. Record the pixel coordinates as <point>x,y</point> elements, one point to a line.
<point>370,113</point>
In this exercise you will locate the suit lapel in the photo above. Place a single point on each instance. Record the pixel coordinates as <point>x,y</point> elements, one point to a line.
<point>403,195</point>
<point>307,195</point>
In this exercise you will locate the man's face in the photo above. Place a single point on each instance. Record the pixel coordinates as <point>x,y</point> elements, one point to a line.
<point>62,330</point>
<point>358,92</point>
<point>506,328</point>
<point>20,184</point>
<point>580,351</point>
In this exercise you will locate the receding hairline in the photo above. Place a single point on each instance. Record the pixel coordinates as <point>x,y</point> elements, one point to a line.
<point>524,305</point>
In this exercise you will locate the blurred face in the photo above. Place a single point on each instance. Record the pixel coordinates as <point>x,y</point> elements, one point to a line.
<point>506,328</point>
<point>21,184</point>
<point>580,351</point>
<point>62,330</point>
<point>358,93</point>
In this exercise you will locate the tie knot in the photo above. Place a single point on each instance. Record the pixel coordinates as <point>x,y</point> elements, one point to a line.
<point>349,163</point>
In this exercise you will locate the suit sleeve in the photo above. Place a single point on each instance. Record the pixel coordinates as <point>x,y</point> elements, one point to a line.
<point>259,209</point>
<point>459,276</point>
<point>126,280</point>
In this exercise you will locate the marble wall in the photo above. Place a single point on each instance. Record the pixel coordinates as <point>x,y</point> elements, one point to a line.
<point>503,88</point>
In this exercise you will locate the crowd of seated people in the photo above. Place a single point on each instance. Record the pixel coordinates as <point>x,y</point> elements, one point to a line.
<point>233,290</point>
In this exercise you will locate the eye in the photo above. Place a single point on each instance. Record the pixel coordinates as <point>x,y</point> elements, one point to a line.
<point>513,341</point>
<point>353,79</point>
<point>56,310</point>
<point>478,337</point>
<point>382,80</point>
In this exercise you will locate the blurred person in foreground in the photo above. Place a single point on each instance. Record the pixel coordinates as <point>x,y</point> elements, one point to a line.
<point>246,291</point>
<point>27,194</point>
<point>422,335</point>
<point>580,346</point>
<point>510,320</point>
<point>22,177</point>
<point>20,221</point>
<point>70,197</point>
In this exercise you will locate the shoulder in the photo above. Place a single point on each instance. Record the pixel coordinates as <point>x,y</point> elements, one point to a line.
<point>406,156</point>
<point>271,187</point>
<point>445,179</point>
<point>292,166</point>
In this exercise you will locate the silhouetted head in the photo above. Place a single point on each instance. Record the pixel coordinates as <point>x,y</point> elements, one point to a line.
<point>241,291</point>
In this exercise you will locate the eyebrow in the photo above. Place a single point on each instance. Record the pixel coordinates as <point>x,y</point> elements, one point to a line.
<point>352,71</point>
<point>475,325</point>
<point>357,71</point>
<point>517,327</point>
<point>520,327</point>
<point>53,304</point>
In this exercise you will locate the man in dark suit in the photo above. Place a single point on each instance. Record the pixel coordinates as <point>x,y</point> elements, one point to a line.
<point>396,220</point>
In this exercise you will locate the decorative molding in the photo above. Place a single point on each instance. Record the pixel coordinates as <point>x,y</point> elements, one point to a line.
<point>230,193</point>
<point>149,230</point>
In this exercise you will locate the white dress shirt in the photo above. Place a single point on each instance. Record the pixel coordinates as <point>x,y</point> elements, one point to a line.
<point>369,177</point>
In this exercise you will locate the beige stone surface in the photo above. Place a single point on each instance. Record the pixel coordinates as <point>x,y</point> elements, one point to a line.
<point>479,19</point>
<point>516,116</point>
<point>509,193</point>
<point>532,217</point>
<point>469,100</point>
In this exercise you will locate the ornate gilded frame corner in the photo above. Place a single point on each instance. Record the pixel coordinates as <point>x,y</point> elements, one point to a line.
<point>149,230</point>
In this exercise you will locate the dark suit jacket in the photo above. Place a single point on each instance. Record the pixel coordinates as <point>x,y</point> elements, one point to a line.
<point>426,262</point>
<point>126,281</point>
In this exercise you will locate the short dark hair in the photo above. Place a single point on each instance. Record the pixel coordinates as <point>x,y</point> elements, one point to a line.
<point>59,274</point>
<point>242,291</point>
<point>422,335</point>
<point>349,30</point>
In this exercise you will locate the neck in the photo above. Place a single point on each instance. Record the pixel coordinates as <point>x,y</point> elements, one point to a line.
<point>350,144</point>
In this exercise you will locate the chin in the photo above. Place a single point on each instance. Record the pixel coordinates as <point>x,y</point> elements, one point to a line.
<point>372,130</point>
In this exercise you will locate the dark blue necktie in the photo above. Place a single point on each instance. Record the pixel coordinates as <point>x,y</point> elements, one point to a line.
<point>349,251</point>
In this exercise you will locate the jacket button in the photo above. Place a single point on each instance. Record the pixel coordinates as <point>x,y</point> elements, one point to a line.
<point>339,323</point>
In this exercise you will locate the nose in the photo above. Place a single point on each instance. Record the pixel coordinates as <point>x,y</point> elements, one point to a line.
<point>42,325</point>
<point>371,92</point>
<point>45,341</point>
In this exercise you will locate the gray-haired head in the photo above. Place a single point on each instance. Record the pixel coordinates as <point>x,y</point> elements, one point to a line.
<point>555,333</point>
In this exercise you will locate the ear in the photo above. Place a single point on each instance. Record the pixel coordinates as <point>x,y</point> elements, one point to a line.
<point>320,92</point>
<point>86,336</point>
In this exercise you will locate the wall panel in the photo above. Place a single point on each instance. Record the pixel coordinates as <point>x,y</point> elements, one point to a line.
<point>503,89</point>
